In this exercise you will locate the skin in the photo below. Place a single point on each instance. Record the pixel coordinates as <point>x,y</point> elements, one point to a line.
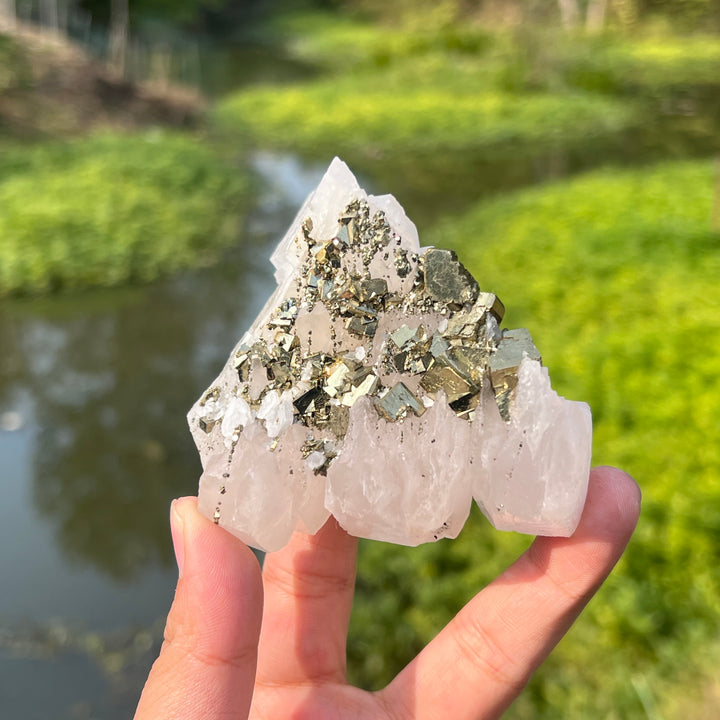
<point>245,643</point>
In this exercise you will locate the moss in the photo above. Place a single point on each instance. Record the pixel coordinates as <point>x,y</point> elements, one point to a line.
<point>112,209</point>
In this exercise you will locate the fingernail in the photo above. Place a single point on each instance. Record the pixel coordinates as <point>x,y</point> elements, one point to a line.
<point>177,530</point>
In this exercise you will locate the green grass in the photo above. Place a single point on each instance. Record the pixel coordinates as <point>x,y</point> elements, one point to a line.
<point>112,209</point>
<point>527,57</point>
<point>339,43</point>
<point>647,64</point>
<point>617,276</point>
<point>365,115</point>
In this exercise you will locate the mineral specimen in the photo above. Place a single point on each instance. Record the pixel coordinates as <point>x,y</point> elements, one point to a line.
<point>377,385</point>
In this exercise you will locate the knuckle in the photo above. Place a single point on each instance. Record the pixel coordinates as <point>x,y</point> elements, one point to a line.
<point>396,707</point>
<point>306,583</point>
<point>191,648</point>
<point>575,588</point>
<point>479,648</point>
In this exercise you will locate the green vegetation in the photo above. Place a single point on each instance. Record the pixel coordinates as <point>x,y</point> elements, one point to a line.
<point>650,64</point>
<point>427,89</point>
<point>112,209</point>
<point>617,275</point>
<point>470,57</point>
<point>354,118</point>
<point>13,64</point>
<point>339,43</point>
<point>397,92</point>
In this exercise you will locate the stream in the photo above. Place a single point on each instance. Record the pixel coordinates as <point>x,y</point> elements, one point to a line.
<point>94,445</point>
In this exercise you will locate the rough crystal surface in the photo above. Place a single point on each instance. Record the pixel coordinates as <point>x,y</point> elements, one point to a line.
<point>378,385</point>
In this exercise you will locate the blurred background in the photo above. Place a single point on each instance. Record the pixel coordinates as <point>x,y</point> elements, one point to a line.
<point>152,152</point>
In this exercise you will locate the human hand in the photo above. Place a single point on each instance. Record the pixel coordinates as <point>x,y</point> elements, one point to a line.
<point>217,663</point>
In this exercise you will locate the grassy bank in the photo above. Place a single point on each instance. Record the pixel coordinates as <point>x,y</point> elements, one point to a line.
<point>528,57</point>
<point>112,209</point>
<point>617,275</point>
<point>14,65</point>
<point>361,117</point>
<point>393,91</point>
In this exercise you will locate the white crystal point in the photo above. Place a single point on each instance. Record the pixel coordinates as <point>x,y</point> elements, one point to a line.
<point>535,468</point>
<point>397,481</point>
<point>377,385</point>
<point>278,493</point>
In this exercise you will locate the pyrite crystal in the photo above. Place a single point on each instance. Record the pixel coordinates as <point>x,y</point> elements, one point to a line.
<point>378,385</point>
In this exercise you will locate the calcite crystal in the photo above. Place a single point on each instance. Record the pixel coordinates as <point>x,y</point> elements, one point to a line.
<point>378,385</point>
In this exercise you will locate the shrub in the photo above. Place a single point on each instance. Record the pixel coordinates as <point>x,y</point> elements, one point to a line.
<point>368,115</point>
<point>112,209</point>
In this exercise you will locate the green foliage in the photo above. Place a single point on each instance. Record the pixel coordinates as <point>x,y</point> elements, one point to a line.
<point>627,14</point>
<point>112,209</point>
<point>617,276</point>
<point>366,115</point>
<point>687,14</point>
<point>393,92</point>
<point>14,67</point>
<point>169,11</point>
<point>325,39</point>
<point>649,64</point>
<point>528,57</point>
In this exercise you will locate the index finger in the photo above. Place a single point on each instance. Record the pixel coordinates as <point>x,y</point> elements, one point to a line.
<point>484,657</point>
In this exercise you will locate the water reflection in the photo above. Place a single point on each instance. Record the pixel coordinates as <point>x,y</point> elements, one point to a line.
<point>108,379</point>
<point>100,384</point>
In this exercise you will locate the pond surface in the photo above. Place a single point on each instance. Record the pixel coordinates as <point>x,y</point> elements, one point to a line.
<point>94,445</point>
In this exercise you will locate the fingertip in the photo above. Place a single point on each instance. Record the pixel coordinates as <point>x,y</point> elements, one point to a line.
<point>177,532</point>
<point>613,503</point>
<point>627,490</point>
<point>184,505</point>
<point>220,595</point>
<point>208,660</point>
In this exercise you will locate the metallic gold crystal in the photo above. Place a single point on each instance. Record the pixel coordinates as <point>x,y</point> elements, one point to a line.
<point>396,403</point>
<point>446,279</point>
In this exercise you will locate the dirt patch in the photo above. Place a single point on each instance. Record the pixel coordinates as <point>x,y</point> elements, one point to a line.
<point>52,87</point>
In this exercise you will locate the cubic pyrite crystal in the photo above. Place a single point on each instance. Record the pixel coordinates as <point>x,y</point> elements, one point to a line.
<point>377,385</point>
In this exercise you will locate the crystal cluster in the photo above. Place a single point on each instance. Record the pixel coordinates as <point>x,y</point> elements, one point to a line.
<point>378,385</point>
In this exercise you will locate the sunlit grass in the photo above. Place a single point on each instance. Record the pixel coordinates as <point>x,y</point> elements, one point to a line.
<point>112,209</point>
<point>341,43</point>
<point>617,276</point>
<point>359,115</point>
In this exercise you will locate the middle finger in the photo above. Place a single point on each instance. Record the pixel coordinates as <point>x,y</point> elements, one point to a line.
<point>309,587</point>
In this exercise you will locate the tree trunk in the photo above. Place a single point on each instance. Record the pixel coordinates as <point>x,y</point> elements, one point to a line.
<point>8,12</point>
<point>569,13</point>
<point>626,11</point>
<point>49,14</point>
<point>595,18</point>
<point>119,21</point>
<point>63,12</point>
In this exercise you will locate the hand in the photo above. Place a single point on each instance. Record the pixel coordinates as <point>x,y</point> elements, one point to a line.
<point>217,662</point>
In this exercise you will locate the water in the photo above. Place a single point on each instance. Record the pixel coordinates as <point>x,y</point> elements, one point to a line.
<point>93,392</point>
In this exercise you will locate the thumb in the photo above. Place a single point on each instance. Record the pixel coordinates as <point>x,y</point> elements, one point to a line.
<point>206,668</point>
